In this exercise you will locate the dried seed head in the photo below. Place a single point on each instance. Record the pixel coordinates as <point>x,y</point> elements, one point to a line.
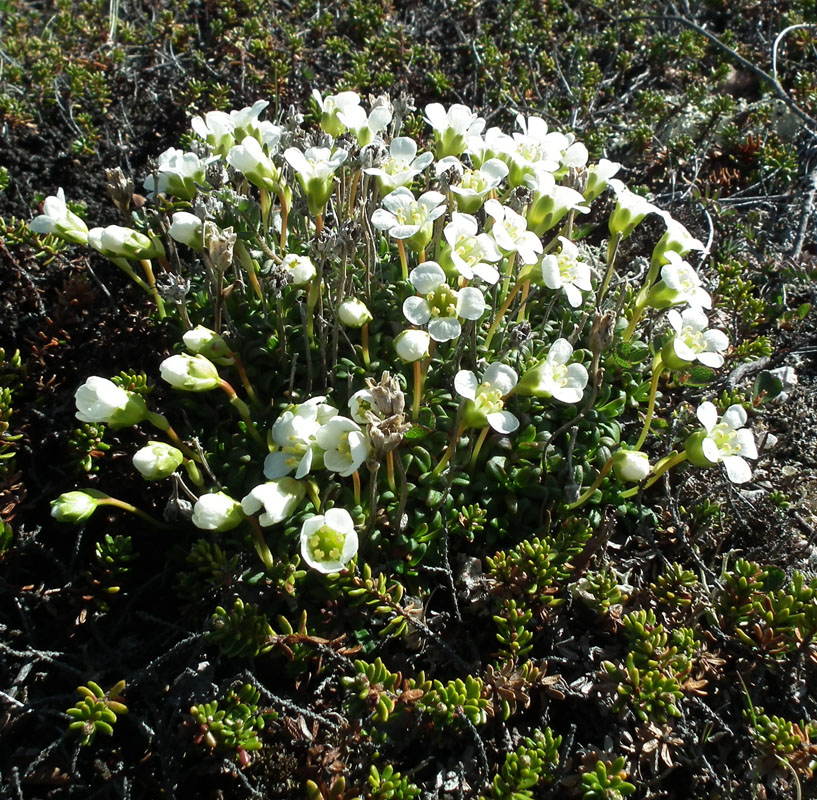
<point>120,188</point>
<point>450,177</point>
<point>387,394</point>
<point>220,249</point>
<point>576,178</point>
<point>276,277</point>
<point>601,335</point>
<point>373,155</point>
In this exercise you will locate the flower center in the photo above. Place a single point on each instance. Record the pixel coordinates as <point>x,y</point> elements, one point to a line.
<point>442,302</point>
<point>693,339</point>
<point>488,399</point>
<point>326,544</point>
<point>474,181</point>
<point>394,166</point>
<point>726,439</point>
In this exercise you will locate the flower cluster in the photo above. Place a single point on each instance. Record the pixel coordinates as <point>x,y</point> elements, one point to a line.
<point>353,267</point>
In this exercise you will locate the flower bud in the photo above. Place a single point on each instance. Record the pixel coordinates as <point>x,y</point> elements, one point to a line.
<point>631,465</point>
<point>190,373</point>
<point>118,242</point>
<point>186,229</point>
<point>217,512</point>
<point>412,344</point>
<point>353,313</point>
<point>201,340</point>
<point>101,400</point>
<point>73,507</point>
<point>157,460</point>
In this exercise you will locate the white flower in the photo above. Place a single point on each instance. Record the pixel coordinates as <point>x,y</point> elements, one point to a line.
<point>279,499</point>
<point>631,465</point>
<point>474,185</point>
<point>216,128</point>
<point>294,432</point>
<point>406,218</point>
<point>300,267</point>
<point>550,201</point>
<point>190,373</point>
<point>250,159</point>
<point>361,404</point>
<point>353,313</point>
<point>315,169</point>
<point>726,441</point>
<point>565,271</point>
<point>692,341</point>
<point>412,344</point>
<point>679,284</point>
<point>486,397</point>
<point>676,239</point>
<point>332,107</point>
<point>495,143</point>
<point>329,541</point>
<point>177,173</point>
<point>245,122</point>
<point>365,126</point>
<point>598,176</point>
<point>157,460</point>
<point>535,149</point>
<point>345,446</point>
<point>101,400</point>
<point>186,229</point>
<point>452,128</point>
<point>630,209</point>
<point>440,306</point>
<point>554,377</point>
<point>57,219</point>
<point>510,231</point>
<point>217,511</point>
<point>118,242</point>
<point>470,252</point>
<point>402,165</point>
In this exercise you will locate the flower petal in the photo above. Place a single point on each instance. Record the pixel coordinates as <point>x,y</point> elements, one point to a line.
<point>737,469</point>
<point>502,421</point>
<point>466,383</point>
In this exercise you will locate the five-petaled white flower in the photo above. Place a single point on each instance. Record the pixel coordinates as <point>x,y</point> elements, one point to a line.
<point>57,219</point>
<point>401,166</point>
<point>554,377</point>
<point>294,432</point>
<point>510,232</point>
<point>250,159</point>
<point>470,253</point>
<point>452,128</point>
<point>332,107</point>
<point>329,541</point>
<point>675,239</point>
<point>315,169</point>
<point>406,218</point>
<point>565,271</point>
<point>679,284</point>
<point>177,173</point>
<point>725,441</point>
<point>439,305</point>
<point>345,445</point>
<point>693,341</point>
<point>486,397</point>
<point>473,185</point>
<point>365,126</point>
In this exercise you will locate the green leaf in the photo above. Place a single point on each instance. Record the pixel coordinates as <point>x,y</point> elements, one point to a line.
<point>766,387</point>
